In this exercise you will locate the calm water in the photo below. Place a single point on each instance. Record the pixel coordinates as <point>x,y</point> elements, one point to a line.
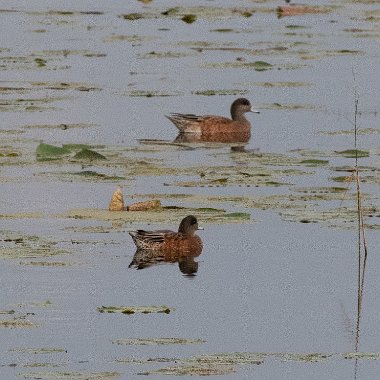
<point>275,286</point>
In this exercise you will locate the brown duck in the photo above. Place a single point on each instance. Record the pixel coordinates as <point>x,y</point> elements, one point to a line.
<point>183,240</point>
<point>210,124</point>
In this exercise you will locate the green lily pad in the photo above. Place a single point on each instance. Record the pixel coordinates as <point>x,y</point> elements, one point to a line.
<point>352,153</point>
<point>90,155</point>
<point>50,152</point>
<point>261,65</point>
<point>314,162</point>
<point>238,215</point>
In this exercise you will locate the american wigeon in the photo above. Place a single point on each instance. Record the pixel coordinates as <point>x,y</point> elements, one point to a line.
<point>183,240</point>
<point>210,124</point>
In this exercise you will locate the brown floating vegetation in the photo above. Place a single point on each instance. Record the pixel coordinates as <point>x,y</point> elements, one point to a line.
<point>117,201</point>
<point>16,323</point>
<point>224,363</point>
<point>298,10</point>
<point>135,309</point>
<point>189,18</point>
<point>145,205</point>
<point>156,341</point>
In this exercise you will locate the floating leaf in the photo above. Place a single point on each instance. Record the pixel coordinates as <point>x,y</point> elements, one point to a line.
<point>352,153</point>
<point>314,162</point>
<point>90,155</point>
<point>50,152</point>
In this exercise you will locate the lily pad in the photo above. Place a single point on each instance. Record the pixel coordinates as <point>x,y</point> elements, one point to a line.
<point>90,155</point>
<point>352,153</point>
<point>314,162</point>
<point>50,152</point>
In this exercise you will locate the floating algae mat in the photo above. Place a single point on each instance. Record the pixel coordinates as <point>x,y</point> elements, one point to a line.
<point>189,14</point>
<point>162,215</point>
<point>29,104</point>
<point>15,245</point>
<point>229,362</point>
<point>134,309</point>
<point>156,341</point>
<point>70,375</point>
<point>193,370</point>
<point>16,323</point>
<point>39,351</point>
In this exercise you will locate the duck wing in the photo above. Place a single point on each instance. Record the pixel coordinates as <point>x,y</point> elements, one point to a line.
<point>150,236</point>
<point>190,123</point>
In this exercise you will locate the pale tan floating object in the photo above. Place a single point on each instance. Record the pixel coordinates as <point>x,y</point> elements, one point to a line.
<point>297,10</point>
<point>144,206</point>
<point>117,201</point>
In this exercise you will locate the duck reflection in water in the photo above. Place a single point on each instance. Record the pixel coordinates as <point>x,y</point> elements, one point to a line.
<point>154,247</point>
<point>223,137</point>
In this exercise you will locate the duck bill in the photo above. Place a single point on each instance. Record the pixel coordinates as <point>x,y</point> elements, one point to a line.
<point>200,228</point>
<point>254,111</point>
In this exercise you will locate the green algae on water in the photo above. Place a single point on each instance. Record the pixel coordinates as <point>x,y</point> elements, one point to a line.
<point>16,323</point>
<point>189,18</point>
<point>220,92</point>
<point>314,162</point>
<point>193,370</point>
<point>156,341</point>
<point>39,351</point>
<point>133,16</point>
<point>69,375</point>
